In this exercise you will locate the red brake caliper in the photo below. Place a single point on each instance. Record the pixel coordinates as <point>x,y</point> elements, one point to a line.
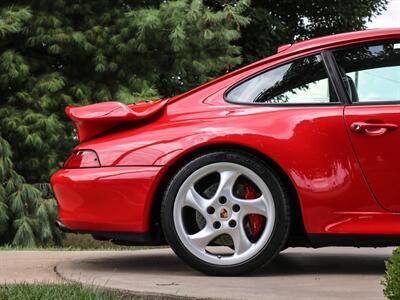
<point>256,222</point>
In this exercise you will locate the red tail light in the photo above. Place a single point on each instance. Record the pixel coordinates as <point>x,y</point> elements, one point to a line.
<point>82,159</point>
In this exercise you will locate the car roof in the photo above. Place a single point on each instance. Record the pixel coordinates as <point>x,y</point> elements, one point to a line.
<point>342,39</point>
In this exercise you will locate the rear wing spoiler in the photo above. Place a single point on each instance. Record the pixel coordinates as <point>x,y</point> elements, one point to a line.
<point>90,120</point>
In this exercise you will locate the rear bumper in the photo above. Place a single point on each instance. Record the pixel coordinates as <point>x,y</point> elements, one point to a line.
<point>109,199</point>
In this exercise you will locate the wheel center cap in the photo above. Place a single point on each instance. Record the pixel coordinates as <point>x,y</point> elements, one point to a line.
<point>224,213</point>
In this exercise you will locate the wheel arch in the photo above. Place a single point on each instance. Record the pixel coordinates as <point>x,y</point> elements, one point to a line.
<point>297,232</point>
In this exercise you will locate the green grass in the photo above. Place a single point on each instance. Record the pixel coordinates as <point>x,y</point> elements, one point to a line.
<point>58,292</point>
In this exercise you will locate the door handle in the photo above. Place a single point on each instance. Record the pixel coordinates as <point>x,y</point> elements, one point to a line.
<point>372,128</point>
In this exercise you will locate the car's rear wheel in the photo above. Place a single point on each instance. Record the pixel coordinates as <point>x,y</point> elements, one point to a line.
<point>226,213</point>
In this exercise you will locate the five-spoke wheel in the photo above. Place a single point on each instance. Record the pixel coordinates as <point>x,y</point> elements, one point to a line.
<point>213,203</point>
<point>222,215</point>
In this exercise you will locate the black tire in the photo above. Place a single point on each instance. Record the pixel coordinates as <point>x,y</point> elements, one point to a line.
<point>281,227</point>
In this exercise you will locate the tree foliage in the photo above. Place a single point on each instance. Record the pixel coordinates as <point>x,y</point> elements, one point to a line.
<point>27,212</point>
<point>391,281</point>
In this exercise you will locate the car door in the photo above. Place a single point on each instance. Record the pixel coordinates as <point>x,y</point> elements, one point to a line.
<point>371,76</point>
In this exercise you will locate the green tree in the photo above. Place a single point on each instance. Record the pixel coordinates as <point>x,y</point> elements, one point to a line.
<point>27,212</point>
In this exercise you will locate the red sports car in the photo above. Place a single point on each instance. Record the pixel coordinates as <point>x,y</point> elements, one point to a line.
<point>299,149</point>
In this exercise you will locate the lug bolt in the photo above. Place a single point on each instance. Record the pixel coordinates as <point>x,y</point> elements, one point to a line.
<point>235,208</point>
<point>210,210</point>
<point>222,200</point>
<point>217,225</point>
<point>232,223</point>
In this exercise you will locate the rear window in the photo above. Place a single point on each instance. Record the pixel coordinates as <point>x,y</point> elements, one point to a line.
<point>303,80</point>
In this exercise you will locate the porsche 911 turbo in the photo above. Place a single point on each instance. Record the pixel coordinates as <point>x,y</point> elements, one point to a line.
<point>299,149</point>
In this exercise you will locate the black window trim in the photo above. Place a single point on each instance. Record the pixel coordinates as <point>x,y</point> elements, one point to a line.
<point>336,79</point>
<point>332,76</point>
<point>341,83</point>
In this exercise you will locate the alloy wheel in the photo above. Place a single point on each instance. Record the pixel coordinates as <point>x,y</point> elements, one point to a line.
<point>224,213</point>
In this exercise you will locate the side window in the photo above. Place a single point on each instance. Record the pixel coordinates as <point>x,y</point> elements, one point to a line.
<point>303,80</point>
<point>371,73</point>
